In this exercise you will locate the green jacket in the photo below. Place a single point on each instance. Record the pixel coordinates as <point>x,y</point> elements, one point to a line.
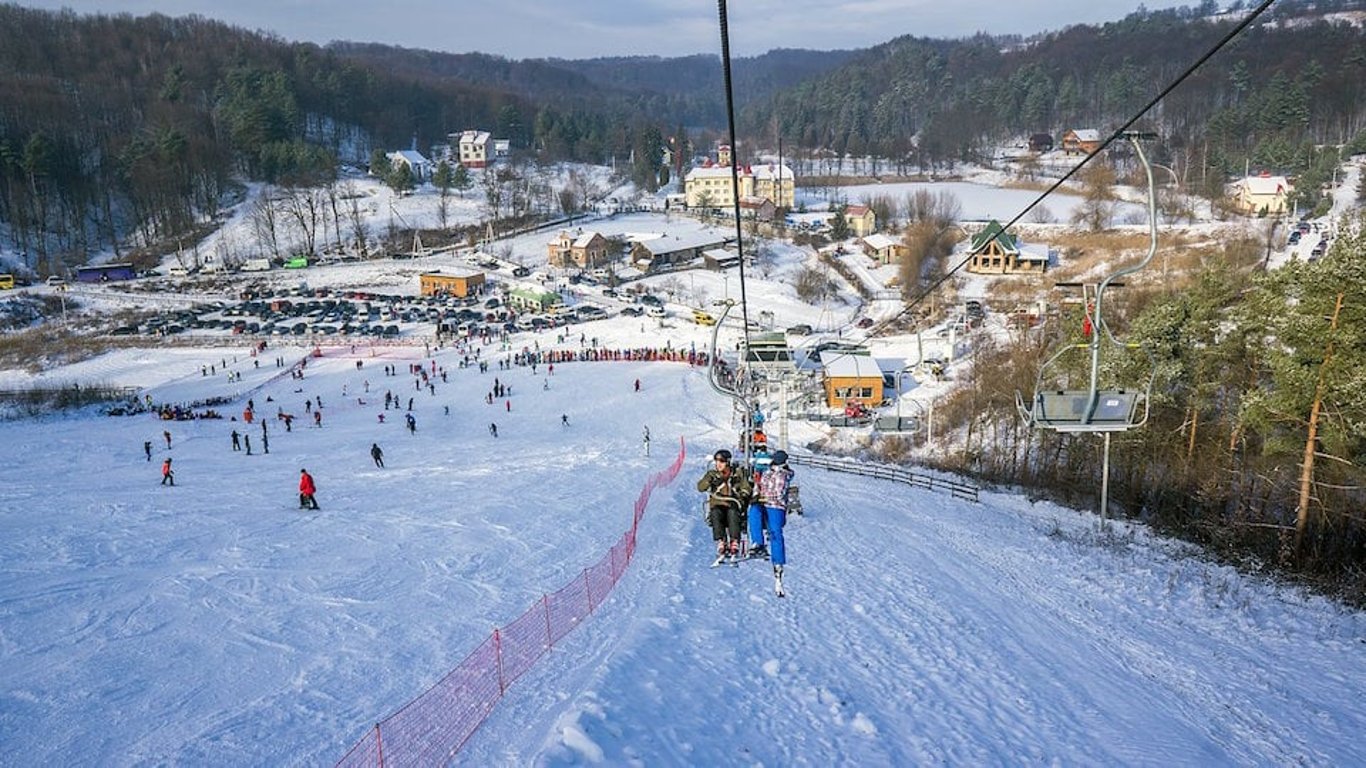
<point>731,489</point>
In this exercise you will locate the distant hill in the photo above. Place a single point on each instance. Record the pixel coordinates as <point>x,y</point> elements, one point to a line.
<point>686,90</point>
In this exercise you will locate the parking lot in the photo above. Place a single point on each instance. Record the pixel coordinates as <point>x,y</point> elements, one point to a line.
<point>321,313</point>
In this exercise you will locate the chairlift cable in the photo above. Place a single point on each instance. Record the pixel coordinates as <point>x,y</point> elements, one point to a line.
<point>1119,133</point>
<point>735,160</point>
<point>738,395</point>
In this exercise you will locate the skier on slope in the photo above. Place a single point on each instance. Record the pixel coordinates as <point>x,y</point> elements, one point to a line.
<point>728,488</point>
<point>773,493</point>
<point>306,490</point>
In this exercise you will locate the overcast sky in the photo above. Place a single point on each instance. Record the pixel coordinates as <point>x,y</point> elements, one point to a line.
<point>579,29</point>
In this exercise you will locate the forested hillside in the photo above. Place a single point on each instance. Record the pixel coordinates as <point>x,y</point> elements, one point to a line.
<point>116,128</point>
<point>1272,98</point>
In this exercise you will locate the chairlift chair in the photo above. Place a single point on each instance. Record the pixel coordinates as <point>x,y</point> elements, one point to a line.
<point>1097,408</point>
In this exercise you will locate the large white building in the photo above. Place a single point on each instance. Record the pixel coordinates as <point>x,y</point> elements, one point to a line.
<point>710,185</point>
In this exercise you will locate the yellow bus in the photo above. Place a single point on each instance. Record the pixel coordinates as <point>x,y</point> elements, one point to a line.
<point>702,317</point>
<point>6,282</point>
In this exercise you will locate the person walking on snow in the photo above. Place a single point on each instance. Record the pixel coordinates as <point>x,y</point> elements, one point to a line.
<point>377,455</point>
<point>167,476</point>
<point>236,441</point>
<point>147,448</point>
<point>167,434</point>
<point>306,490</point>
<point>728,489</point>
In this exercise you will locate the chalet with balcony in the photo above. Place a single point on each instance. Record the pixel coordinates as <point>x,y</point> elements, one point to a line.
<point>997,252</point>
<point>1081,141</point>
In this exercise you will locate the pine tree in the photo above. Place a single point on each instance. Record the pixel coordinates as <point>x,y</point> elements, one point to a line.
<point>1309,323</point>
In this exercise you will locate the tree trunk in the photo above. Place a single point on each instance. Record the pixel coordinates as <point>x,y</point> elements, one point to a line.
<point>1190,444</point>
<point>1307,467</point>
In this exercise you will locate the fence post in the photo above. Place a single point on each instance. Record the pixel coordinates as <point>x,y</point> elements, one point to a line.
<point>379,746</point>
<point>498,659</point>
<point>545,601</point>
<point>588,590</point>
<point>612,558</point>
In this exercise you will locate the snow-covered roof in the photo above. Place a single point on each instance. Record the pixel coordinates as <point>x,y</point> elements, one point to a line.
<point>584,240</point>
<point>880,241</point>
<point>766,171</point>
<point>1266,185</point>
<point>1086,134</point>
<point>1033,252</point>
<point>851,365</point>
<point>410,156</point>
<point>474,137</point>
<point>685,241</point>
<point>456,271</point>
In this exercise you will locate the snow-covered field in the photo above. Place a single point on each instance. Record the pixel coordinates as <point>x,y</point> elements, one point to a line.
<point>213,623</point>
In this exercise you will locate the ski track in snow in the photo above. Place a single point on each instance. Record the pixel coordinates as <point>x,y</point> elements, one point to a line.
<point>945,646</point>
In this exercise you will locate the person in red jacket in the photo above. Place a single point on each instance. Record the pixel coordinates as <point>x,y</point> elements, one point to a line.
<point>306,491</point>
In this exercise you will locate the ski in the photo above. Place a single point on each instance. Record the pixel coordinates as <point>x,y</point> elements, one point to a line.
<point>718,561</point>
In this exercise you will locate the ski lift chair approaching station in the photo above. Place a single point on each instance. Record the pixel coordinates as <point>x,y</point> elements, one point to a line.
<point>1098,409</point>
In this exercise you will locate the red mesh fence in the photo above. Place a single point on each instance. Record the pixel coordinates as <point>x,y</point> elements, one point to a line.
<point>431,728</point>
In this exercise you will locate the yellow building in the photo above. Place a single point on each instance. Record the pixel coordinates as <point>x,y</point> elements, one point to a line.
<point>1262,194</point>
<point>862,221</point>
<point>460,283</point>
<point>852,377</point>
<point>710,186</point>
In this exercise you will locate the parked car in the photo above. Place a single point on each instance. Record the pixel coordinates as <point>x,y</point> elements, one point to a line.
<point>800,329</point>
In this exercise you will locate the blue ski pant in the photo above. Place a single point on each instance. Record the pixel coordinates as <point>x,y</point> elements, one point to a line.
<point>773,519</point>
